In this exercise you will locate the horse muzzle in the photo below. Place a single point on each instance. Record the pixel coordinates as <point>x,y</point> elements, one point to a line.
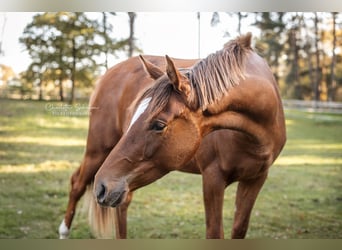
<point>110,194</point>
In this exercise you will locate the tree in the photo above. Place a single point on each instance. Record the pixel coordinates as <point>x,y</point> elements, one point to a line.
<point>308,51</point>
<point>271,25</point>
<point>215,19</point>
<point>131,39</point>
<point>332,82</point>
<point>6,74</point>
<point>303,50</point>
<point>106,27</point>
<point>292,48</point>
<point>65,45</point>
<point>318,70</point>
<point>110,44</point>
<point>27,83</point>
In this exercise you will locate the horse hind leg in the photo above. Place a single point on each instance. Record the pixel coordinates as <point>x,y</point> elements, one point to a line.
<point>80,179</point>
<point>246,195</point>
<point>78,187</point>
<point>75,194</point>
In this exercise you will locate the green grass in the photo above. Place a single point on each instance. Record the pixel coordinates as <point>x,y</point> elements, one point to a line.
<point>39,150</point>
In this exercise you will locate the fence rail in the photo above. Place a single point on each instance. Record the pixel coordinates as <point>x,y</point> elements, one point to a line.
<point>315,106</point>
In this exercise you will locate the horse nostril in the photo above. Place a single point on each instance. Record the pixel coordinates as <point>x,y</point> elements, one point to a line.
<point>100,193</point>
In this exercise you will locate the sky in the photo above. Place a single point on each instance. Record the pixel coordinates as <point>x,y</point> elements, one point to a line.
<point>14,55</point>
<point>158,33</point>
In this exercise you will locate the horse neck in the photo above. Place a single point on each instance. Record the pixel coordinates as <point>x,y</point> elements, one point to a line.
<point>252,108</point>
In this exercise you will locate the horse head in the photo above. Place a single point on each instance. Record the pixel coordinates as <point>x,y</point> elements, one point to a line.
<point>162,136</point>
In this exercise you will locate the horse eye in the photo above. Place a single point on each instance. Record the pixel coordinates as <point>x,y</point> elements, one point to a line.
<point>158,126</point>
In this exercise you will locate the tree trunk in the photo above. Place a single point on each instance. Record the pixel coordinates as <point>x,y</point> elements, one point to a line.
<point>73,72</point>
<point>61,91</point>
<point>40,97</point>
<point>295,57</point>
<point>132,17</point>
<point>318,64</point>
<point>106,42</point>
<point>311,73</point>
<point>332,82</point>
<point>307,49</point>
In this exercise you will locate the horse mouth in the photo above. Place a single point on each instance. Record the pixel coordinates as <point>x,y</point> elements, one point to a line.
<point>117,199</point>
<point>109,198</point>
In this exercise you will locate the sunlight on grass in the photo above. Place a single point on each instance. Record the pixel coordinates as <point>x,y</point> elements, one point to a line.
<point>332,146</point>
<point>289,122</point>
<point>51,140</point>
<point>63,122</point>
<point>50,166</point>
<point>307,160</point>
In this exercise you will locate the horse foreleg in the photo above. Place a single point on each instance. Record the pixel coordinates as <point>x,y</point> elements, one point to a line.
<point>121,218</point>
<point>213,192</point>
<point>246,195</point>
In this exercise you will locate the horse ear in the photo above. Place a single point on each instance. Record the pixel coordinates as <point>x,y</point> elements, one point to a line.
<point>180,82</point>
<point>154,71</point>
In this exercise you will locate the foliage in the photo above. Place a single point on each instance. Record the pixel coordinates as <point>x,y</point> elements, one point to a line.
<point>299,48</point>
<point>302,49</point>
<point>271,26</point>
<point>6,73</point>
<point>64,47</point>
<point>40,149</point>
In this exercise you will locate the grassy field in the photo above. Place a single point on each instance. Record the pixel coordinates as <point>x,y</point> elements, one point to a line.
<point>42,143</point>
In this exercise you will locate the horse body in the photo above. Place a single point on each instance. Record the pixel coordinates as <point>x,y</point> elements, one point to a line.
<point>182,135</point>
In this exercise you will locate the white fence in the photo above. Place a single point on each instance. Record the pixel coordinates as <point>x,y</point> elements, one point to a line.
<point>315,106</point>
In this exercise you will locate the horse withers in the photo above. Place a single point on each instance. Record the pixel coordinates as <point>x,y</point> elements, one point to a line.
<point>230,96</point>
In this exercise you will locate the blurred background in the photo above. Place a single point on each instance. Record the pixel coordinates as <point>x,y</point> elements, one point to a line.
<point>58,56</point>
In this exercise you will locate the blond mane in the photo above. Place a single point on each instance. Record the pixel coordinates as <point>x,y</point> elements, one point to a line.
<point>211,78</point>
<point>220,71</point>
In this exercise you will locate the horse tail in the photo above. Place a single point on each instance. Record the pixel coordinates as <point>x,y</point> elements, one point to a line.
<point>101,219</point>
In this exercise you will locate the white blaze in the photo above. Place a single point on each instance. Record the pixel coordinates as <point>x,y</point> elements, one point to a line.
<point>141,108</point>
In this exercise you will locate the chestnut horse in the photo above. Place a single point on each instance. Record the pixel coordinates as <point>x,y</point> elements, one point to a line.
<point>165,130</point>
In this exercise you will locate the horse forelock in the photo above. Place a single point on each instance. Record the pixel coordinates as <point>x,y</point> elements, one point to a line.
<point>160,94</point>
